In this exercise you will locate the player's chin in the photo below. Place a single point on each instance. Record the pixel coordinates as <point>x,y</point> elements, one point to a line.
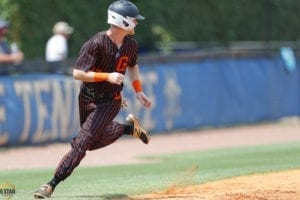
<point>131,32</point>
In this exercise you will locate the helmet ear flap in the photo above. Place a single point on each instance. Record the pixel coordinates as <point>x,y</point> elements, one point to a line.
<point>118,20</point>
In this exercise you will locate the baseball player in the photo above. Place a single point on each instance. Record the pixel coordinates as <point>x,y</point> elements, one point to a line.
<point>101,67</point>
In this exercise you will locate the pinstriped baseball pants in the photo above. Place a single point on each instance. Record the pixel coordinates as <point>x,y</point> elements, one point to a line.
<point>97,130</point>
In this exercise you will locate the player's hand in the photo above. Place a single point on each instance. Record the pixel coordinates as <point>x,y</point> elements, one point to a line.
<point>115,78</point>
<point>145,101</point>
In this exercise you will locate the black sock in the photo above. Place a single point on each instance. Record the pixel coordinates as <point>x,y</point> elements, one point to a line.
<point>54,182</point>
<point>128,129</point>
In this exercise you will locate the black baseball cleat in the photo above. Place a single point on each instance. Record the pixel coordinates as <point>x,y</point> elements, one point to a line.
<point>138,131</point>
<point>43,192</point>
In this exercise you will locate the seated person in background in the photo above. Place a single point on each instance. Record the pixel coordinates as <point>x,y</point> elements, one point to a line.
<point>57,47</point>
<point>9,57</point>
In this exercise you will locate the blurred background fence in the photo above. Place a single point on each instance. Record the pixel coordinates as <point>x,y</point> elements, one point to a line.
<point>204,63</point>
<point>189,91</point>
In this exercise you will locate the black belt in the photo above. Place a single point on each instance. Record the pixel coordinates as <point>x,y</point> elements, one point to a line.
<point>100,95</point>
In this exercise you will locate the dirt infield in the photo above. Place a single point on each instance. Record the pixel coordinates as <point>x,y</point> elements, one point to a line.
<point>277,186</point>
<point>273,186</point>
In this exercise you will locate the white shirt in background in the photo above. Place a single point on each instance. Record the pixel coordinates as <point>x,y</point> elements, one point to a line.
<point>56,48</point>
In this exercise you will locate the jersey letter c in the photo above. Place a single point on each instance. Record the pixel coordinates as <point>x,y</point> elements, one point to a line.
<point>122,64</point>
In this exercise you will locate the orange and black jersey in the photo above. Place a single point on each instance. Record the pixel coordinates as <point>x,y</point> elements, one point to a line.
<point>101,54</point>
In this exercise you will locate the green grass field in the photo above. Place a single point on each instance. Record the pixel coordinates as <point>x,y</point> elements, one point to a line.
<point>121,181</point>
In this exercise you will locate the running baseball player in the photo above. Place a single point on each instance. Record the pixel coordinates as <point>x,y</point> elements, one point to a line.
<point>101,67</point>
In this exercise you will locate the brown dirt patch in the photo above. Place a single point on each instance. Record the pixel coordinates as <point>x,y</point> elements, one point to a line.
<point>272,186</point>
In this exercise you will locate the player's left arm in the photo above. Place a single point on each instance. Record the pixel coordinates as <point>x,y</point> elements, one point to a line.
<point>134,76</point>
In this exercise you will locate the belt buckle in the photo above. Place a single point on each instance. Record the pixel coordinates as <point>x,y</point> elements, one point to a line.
<point>91,93</point>
<point>95,94</point>
<point>98,95</point>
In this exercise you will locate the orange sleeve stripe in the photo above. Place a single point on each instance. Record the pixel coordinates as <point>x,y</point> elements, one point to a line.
<point>99,76</point>
<point>137,86</point>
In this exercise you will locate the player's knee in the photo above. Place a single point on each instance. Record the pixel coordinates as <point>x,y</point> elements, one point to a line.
<point>79,147</point>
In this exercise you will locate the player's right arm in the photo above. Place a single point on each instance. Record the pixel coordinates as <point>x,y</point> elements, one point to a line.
<point>90,76</point>
<point>86,60</point>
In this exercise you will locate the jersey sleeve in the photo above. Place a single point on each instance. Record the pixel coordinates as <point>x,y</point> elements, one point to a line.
<point>87,56</point>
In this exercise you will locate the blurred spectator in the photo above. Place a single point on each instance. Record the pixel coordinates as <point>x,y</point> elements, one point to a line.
<point>57,47</point>
<point>10,56</point>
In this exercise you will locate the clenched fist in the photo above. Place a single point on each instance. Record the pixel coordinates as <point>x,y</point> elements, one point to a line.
<point>115,78</point>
